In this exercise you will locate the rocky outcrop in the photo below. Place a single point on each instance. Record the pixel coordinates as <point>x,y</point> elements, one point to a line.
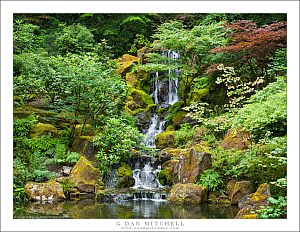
<point>41,129</point>
<point>84,176</point>
<point>239,189</point>
<point>236,140</point>
<point>249,203</point>
<point>185,165</point>
<point>187,194</point>
<point>46,192</point>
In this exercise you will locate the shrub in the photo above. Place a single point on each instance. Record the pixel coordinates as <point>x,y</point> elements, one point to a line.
<point>184,135</point>
<point>265,111</point>
<point>211,179</point>
<point>116,141</point>
<point>276,209</point>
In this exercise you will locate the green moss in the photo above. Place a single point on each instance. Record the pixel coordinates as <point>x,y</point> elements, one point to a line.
<point>178,117</point>
<point>124,170</point>
<point>43,129</point>
<point>170,128</point>
<point>87,130</point>
<point>164,177</point>
<point>151,108</point>
<point>141,98</point>
<point>198,94</point>
<point>165,139</point>
<point>161,111</point>
<point>25,111</point>
<point>173,110</point>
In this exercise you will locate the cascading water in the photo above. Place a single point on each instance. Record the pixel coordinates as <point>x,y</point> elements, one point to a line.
<point>157,124</point>
<point>144,175</point>
<point>146,178</point>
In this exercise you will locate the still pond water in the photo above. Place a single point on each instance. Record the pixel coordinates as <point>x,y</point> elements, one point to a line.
<point>141,209</point>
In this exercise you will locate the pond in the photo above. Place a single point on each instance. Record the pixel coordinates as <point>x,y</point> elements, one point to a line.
<point>133,209</point>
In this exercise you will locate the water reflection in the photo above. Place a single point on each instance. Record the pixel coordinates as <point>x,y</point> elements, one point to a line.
<point>89,209</point>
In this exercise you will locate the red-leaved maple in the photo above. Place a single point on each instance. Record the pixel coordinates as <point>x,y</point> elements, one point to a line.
<point>249,41</point>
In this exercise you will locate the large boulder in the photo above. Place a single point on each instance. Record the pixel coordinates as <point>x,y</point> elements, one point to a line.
<point>249,203</point>
<point>48,191</point>
<point>239,190</point>
<point>84,176</point>
<point>187,194</point>
<point>185,165</point>
<point>236,139</point>
<point>41,129</point>
<point>165,139</point>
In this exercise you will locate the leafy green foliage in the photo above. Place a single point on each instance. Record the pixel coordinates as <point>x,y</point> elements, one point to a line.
<point>237,90</point>
<point>27,37</point>
<point>184,135</point>
<point>139,42</point>
<point>211,179</point>
<point>75,38</point>
<point>277,209</point>
<point>265,111</point>
<point>264,162</point>
<point>198,111</point>
<point>278,64</point>
<point>116,142</point>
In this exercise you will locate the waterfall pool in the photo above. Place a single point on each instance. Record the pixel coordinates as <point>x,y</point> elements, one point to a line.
<point>134,209</point>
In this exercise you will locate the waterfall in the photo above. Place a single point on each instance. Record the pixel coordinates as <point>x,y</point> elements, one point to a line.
<point>146,178</point>
<point>164,93</point>
<point>157,124</point>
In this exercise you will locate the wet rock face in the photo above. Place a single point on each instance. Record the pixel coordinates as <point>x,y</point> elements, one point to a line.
<point>236,140</point>
<point>254,201</point>
<point>185,164</point>
<point>45,192</point>
<point>143,120</point>
<point>187,194</point>
<point>84,176</point>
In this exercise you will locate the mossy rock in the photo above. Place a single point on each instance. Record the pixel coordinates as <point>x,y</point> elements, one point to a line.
<point>125,178</point>
<point>126,63</point>
<point>141,98</point>
<point>131,80</point>
<point>260,197</point>
<point>84,176</point>
<point>249,203</point>
<point>170,128</point>
<point>185,164</point>
<point>165,139</point>
<point>48,191</point>
<point>236,139</point>
<point>240,189</point>
<point>151,108</point>
<point>24,111</point>
<point>84,145</point>
<point>187,194</point>
<point>164,177</point>
<point>178,117</point>
<point>87,130</point>
<point>161,111</point>
<point>42,129</point>
<point>124,170</point>
<point>198,95</point>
